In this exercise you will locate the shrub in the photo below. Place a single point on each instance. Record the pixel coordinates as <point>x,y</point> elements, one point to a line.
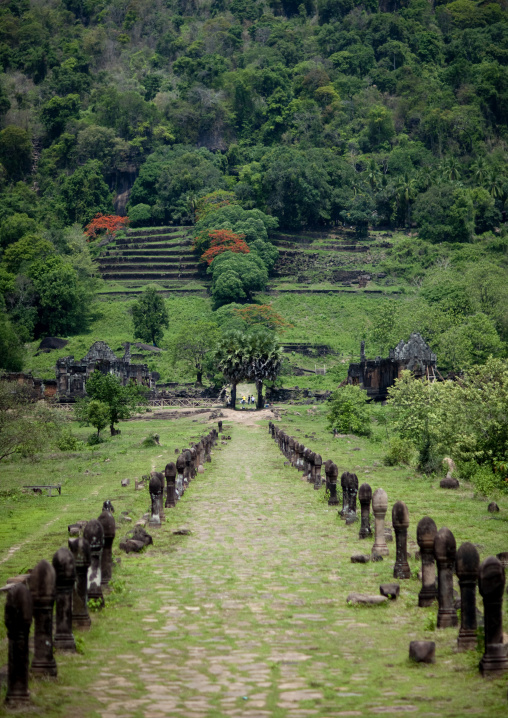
<point>400,451</point>
<point>348,411</point>
<point>67,441</point>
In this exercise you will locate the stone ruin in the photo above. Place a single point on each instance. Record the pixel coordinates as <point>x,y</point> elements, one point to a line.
<point>72,375</point>
<point>377,375</point>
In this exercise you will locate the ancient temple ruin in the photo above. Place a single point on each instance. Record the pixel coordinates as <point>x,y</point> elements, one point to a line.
<point>377,375</point>
<point>72,375</point>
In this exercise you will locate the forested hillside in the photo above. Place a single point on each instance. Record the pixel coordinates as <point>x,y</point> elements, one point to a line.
<point>389,115</point>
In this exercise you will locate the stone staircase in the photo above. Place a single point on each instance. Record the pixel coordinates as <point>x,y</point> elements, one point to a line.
<point>151,255</point>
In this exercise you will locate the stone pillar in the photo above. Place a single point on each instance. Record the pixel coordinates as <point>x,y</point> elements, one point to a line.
<point>187,471</point>
<point>365,497</point>
<point>491,583</point>
<point>95,536</point>
<point>445,549</point>
<point>42,587</point>
<point>344,485</point>
<point>194,462</point>
<point>318,462</point>
<point>353,491</point>
<point>65,570</point>
<point>305,465</point>
<point>155,490</point>
<point>333,473</point>
<point>291,450</point>
<point>400,521</point>
<point>425,535</point>
<point>109,527</point>
<point>379,508</point>
<point>311,474</point>
<point>80,549</point>
<point>299,458</point>
<point>170,473</point>
<point>219,424</point>
<point>108,506</point>
<point>18,619</point>
<point>160,476</point>
<point>180,466</point>
<point>467,565</point>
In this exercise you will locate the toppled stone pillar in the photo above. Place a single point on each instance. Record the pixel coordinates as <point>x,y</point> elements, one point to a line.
<point>365,497</point>
<point>65,570</point>
<point>445,549</point>
<point>170,474</point>
<point>155,491</point>
<point>94,534</point>
<point>467,565</point>
<point>425,534</point>
<point>18,619</point>
<point>491,584</point>
<point>400,521</point>
<point>379,508</point>
<point>42,587</point>
<point>109,528</point>
<point>80,549</point>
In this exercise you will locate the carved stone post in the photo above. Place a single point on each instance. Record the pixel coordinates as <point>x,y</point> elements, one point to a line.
<point>170,473</point>
<point>311,475</point>
<point>180,466</point>
<point>305,465</point>
<point>445,549</point>
<point>400,521</point>
<point>365,497</point>
<point>467,565</point>
<point>318,462</point>
<point>194,462</point>
<point>155,490</point>
<point>333,473</point>
<point>109,527</point>
<point>42,587</point>
<point>95,536</point>
<point>291,450</point>
<point>187,471</point>
<point>353,491</point>
<point>219,423</point>
<point>80,549</point>
<point>491,583</point>
<point>63,563</point>
<point>299,456</point>
<point>379,508</point>
<point>344,485</point>
<point>18,619</point>
<point>160,476</point>
<point>108,506</point>
<point>425,535</point>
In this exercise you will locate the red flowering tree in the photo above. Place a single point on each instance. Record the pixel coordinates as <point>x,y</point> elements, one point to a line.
<point>262,314</point>
<point>224,240</point>
<point>110,223</point>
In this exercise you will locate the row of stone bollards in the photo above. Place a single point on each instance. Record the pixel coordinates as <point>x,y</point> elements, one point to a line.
<point>64,586</point>
<point>77,575</point>
<point>178,475</point>
<point>437,548</point>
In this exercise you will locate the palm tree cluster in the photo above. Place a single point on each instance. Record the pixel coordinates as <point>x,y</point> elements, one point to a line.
<point>249,356</point>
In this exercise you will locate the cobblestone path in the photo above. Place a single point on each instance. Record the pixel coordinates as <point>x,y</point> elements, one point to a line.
<point>246,616</point>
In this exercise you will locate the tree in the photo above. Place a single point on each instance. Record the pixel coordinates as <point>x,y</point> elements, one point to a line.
<point>11,348</point>
<point>93,412</point>
<point>15,152</point>
<point>236,277</point>
<point>110,224</point>
<point>263,360</point>
<point>348,411</point>
<point>63,300</point>
<point>121,400</point>
<point>230,355</point>
<point>26,426</point>
<point>193,345</point>
<point>223,240</point>
<point>150,316</point>
<point>84,194</point>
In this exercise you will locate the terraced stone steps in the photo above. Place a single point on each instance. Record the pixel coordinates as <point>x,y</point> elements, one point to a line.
<point>159,254</point>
